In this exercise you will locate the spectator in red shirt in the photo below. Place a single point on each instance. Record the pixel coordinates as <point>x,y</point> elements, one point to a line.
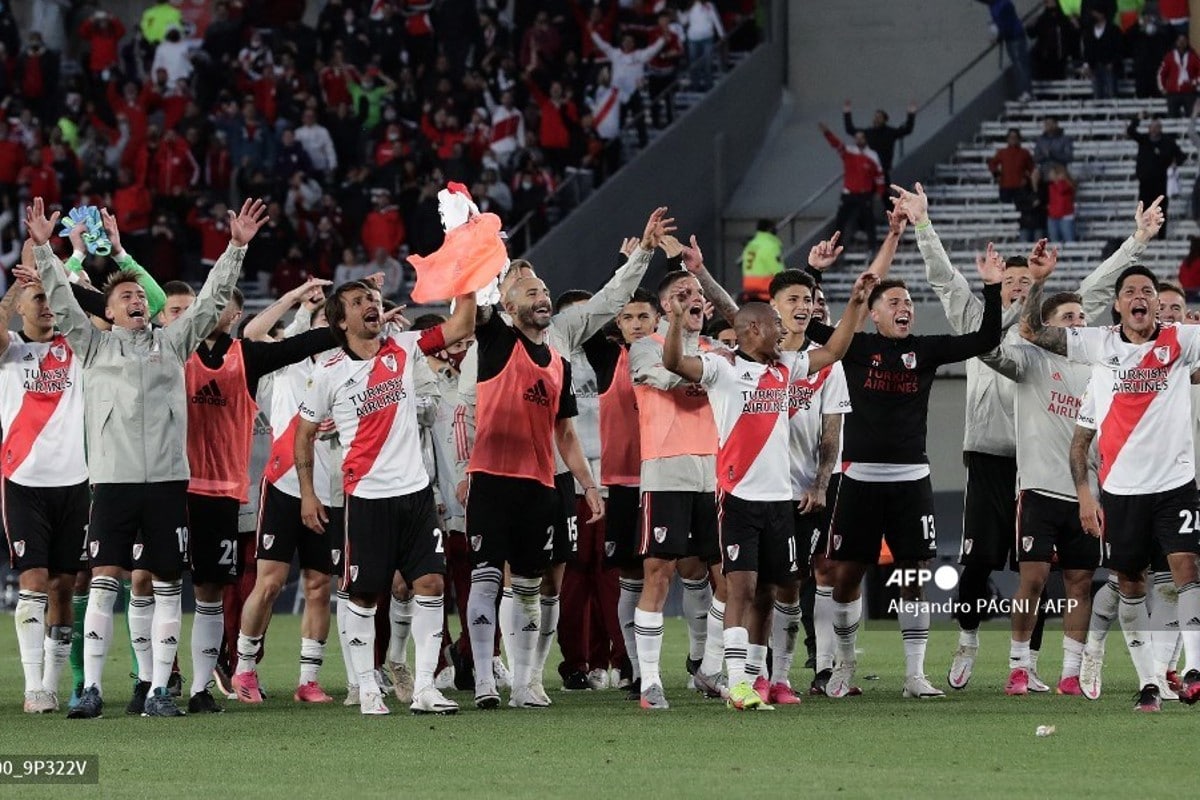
<point>290,272</point>
<point>1011,165</point>
<point>213,228</point>
<point>383,226</point>
<point>1060,208</point>
<point>335,79</point>
<point>103,33</point>
<point>1178,77</point>
<point>1189,270</point>
<point>174,168</point>
<point>558,117</point>
<point>12,159</point>
<point>132,204</point>
<point>862,180</point>
<point>600,20</point>
<point>541,42</point>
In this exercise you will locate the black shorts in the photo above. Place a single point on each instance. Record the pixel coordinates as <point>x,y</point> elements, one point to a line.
<point>866,512</point>
<point>46,526</point>
<point>1138,526</point>
<point>566,527</point>
<point>989,511</point>
<point>513,521</point>
<point>621,532</point>
<point>213,525</point>
<point>812,535</point>
<point>679,524</point>
<point>1049,531</point>
<point>389,535</point>
<point>144,523</point>
<point>282,534</point>
<point>759,536</point>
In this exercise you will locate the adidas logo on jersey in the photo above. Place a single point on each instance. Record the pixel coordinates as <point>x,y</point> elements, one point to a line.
<point>209,395</point>
<point>746,376</point>
<point>1057,376</point>
<point>538,394</point>
<point>29,357</point>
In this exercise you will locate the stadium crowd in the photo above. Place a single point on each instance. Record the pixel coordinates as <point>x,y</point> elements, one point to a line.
<point>347,128</point>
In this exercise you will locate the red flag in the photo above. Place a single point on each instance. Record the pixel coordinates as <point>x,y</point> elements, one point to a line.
<point>472,255</point>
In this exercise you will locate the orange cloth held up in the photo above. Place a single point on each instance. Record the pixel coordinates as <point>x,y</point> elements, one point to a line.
<point>472,255</point>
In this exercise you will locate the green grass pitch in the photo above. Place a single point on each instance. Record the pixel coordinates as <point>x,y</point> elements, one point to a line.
<point>975,743</point>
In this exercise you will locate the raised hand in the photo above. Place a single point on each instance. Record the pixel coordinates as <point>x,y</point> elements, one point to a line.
<point>657,226</point>
<point>990,265</point>
<point>824,254</point>
<point>396,315</point>
<point>40,228</point>
<point>110,228</point>
<point>693,259</point>
<point>304,291</point>
<point>915,203</point>
<point>1149,220</point>
<point>75,235</point>
<point>846,107</point>
<point>1042,260</point>
<point>675,305</point>
<point>897,221</point>
<point>628,245</point>
<point>671,246</point>
<point>863,287</point>
<point>244,225</point>
<point>25,275</point>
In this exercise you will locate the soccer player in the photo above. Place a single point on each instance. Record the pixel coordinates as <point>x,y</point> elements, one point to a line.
<point>222,379</point>
<point>1048,392</point>
<point>511,508</point>
<point>620,458</point>
<point>44,502</point>
<point>1140,379</point>
<point>678,483</point>
<point>816,406</point>
<point>390,515</point>
<point>750,401</point>
<point>566,334</point>
<point>136,432</point>
<point>885,490</point>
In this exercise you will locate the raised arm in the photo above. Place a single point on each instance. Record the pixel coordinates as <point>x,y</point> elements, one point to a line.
<point>156,298</point>
<point>839,342</point>
<point>1036,330</point>
<point>199,320</point>
<point>964,310</point>
<point>693,262</point>
<point>848,119</point>
<point>950,349</point>
<point>1099,288</point>
<point>308,293</point>
<point>70,317</point>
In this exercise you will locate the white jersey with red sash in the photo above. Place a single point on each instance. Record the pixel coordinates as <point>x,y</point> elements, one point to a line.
<point>287,391</point>
<point>41,411</point>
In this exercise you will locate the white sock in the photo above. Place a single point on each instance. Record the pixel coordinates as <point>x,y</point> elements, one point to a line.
<point>1135,624</point>
<point>547,629</point>
<point>1174,664</point>
<point>1189,623</point>
<point>506,624</point>
<point>823,627</point>
<point>968,638</point>
<point>648,628</point>
<point>1104,610</point>
<point>208,626</point>
<point>756,661</point>
<point>846,617</point>
<point>312,656</point>
<point>631,592</point>
<point>427,638</point>
<point>714,639</point>
<point>360,631</point>
<point>1018,655</point>
<point>481,614</point>
<point>914,630</point>
<point>247,651</point>
<point>400,617</point>
<point>785,627</point>
<point>526,628</point>
<point>737,645</point>
<point>98,628</point>
<point>140,618</point>
<point>343,600</point>
<point>166,628</point>
<point>58,650</point>
<point>697,598</point>
<point>30,618</point>
<point>1164,620</point>
<point>1072,657</point>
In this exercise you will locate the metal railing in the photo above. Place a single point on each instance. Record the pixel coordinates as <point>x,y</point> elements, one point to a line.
<point>786,228</point>
<point>572,190</point>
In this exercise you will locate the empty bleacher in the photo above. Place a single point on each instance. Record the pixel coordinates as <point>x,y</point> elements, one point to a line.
<point>967,213</point>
